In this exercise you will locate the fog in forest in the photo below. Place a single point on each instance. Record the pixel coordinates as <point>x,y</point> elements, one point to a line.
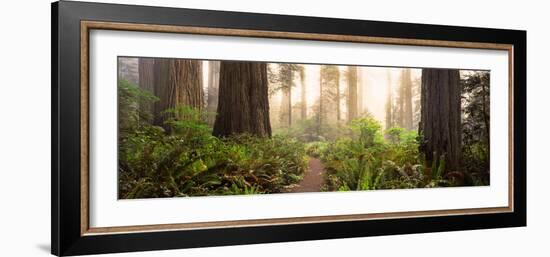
<point>375,86</point>
<point>195,128</point>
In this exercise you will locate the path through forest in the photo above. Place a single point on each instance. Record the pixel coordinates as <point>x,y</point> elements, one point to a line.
<point>313,177</point>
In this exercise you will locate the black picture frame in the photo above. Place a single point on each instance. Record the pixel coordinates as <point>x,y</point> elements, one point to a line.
<point>66,127</point>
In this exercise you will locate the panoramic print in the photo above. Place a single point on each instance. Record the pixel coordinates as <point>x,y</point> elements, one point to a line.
<point>207,127</point>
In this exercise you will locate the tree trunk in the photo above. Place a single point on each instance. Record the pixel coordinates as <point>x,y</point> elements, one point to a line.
<point>360,90</point>
<point>284,112</point>
<point>146,78</point>
<point>128,69</point>
<point>286,76</point>
<point>400,101</point>
<point>213,82</point>
<point>146,74</point>
<point>320,116</point>
<point>330,93</point>
<point>407,98</point>
<point>289,95</point>
<point>303,109</point>
<point>440,123</point>
<point>243,105</point>
<point>352,93</point>
<point>338,95</point>
<point>177,82</point>
<point>389,103</point>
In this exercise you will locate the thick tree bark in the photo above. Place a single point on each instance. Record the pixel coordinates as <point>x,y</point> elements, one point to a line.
<point>213,82</point>
<point>243,105</point>
<point>352,93</point>
<point>177,82</point>
<point>146,78</point>
<point>440,123</point>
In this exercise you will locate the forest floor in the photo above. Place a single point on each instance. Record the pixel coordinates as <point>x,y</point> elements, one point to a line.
<point>313,177</point>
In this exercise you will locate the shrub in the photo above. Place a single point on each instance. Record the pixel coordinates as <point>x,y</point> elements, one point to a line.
<point>191,162</point>
<point>316,149</point>
<point>367,161</point>
<point>130,99</point>
<point>367,131</point>
<point>402,147</point>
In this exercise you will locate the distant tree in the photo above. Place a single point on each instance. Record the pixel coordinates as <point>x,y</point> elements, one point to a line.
<point>389,102</point>
<point>128,69</point>
<point>321,112</point>
<point>146,78</point>
<point>330,85</point>
<point>402,109</point>
<point>303,104</point>
<point>274,89</point>
<point>281,77</point>
<point>286,76</point>
<point>338,96</point>
<point>352,92</point>
<point>360,90</point>
<point>399,107</point>
<point>212,91</point>
<point>416,92</point>
<point>243,105</point>
<point>440,124</point>
<point>405,100</point>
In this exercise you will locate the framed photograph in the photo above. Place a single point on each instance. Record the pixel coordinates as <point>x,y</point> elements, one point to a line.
<point>177,128</point>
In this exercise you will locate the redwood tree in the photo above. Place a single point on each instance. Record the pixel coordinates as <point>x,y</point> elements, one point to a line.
<point>177,82</point>
<point>360,90</point>
<point>407,98</point>
<point>146,77</point>
<point>389,103</point>
<point>404,101</point>
<point>213,81</point>
<point>352,92</point>
<point>286,77</point>
<point>330,93</point>
<point>303,107</point>
<point>440,122</point>
<point>243,105</point>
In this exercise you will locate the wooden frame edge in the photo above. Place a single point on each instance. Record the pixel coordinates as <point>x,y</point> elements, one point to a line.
<point>84,129</point>
<point>287,35</point>
<point>86,26</point>
<point>288,221</point>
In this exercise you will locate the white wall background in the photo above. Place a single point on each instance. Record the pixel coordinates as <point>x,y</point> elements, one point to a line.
<point>25,127</point>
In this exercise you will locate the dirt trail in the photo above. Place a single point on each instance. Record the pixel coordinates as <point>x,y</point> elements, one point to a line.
<point>313,177</point>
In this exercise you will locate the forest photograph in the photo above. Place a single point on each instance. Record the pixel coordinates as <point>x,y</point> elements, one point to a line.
<point>189,127</point>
